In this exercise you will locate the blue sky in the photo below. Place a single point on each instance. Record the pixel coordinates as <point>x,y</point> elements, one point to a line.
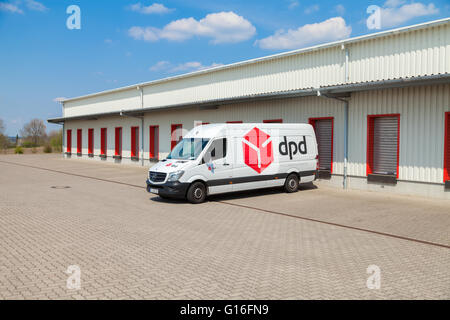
<point>123,42</point>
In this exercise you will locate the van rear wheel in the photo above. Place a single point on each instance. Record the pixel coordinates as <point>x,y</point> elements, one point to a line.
<point>291,183</point>
<point>196,193</point>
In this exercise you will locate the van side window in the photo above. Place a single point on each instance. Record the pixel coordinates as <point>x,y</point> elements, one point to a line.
<point>217,150</point>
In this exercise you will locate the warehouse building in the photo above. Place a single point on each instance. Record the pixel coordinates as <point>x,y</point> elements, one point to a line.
<point>380,105</point>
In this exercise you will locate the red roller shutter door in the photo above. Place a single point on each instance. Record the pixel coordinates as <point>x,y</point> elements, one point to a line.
<point>90,141</point>
<point>324,135</point>
<point>118,142</point>
<point>176,135</point>
<point>135,142</point>
<point>447,148</point>
<point>154,142</point>
<point>103,142</point>
<point>79,141</point>
<point>383,141</point>
<point>385,145</point>
<point>324,129</point>
<point>69,141</point>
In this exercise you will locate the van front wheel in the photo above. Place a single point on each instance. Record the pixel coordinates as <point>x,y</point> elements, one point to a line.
<point>196,193</point>
<point>291,183</point>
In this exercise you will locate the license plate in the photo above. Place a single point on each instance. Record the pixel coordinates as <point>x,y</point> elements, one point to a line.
<point>152,190</point>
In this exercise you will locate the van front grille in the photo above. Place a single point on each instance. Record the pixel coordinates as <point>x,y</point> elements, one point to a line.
<point>157,176</point>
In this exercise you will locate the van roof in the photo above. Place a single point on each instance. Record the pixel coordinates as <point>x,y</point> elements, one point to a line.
<point>217,129</point>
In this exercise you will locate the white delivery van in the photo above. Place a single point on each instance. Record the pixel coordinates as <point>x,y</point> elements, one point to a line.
<point>221,158</point>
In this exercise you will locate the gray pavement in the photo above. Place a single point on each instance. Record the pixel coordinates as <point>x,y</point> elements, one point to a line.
<point>314,244</point>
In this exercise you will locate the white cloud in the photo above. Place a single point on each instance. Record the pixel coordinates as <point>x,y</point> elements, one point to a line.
<point>397,12</point>
<point>190,66</point>
<point>312,9</point>
<point>294,4</point>
<point>35,6</point>
<point>146,34</point>
<point>9,7</point>
<point>156,8</point>
<point>16,6</point>
<point>340,9</point>
<point>394,3</point>
<point>309,34</point>
<point>222,27</point>
<point>161,65</point>
<point>108,41</point>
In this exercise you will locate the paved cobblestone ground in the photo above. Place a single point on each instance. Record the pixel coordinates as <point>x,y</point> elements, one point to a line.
<point>131,245</point>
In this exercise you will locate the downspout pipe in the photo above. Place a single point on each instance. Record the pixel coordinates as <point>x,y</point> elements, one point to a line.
<point>63,138</point>
<point>346,105</point>
<point>141,90</point>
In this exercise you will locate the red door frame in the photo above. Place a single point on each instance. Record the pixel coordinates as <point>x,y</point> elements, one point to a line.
<point>90,141</point>
<point>118,141</point>
<point>273,121</point>
<point>135,142</point>
<point>79,140</point>
<point>174,127</point>
<point>69,141</point>
<point>447,148</point>
<point>239,121</point>
<point>370,133</point>
<point>312,121</point>
<point>153,153</point>
<point>103,141</point>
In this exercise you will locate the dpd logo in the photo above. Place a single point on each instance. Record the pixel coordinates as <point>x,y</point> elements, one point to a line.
<point>292,147</point>
<point>258,149</point>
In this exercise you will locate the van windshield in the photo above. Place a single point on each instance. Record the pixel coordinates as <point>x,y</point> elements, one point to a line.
<point>188,148</point>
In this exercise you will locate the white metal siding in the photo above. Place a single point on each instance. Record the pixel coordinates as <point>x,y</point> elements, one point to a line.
<point>410,54</point>
<point>406,54</point>
<point>422,129</point>
<point>117,101</point>
<point>421,112</point>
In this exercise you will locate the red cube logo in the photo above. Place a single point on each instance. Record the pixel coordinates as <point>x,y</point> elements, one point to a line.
<point>258,149</point>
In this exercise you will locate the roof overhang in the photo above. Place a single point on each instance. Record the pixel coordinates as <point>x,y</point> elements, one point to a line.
<point>341,90</point>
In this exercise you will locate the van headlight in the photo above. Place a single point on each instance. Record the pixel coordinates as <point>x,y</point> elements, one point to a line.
<point>175,176</point>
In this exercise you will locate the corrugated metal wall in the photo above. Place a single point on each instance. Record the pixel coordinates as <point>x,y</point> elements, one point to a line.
<point>421,112</point>
<point>422,131</point>
<point>411,54</point>
<point>406,54</point>
<point>310,70</point>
